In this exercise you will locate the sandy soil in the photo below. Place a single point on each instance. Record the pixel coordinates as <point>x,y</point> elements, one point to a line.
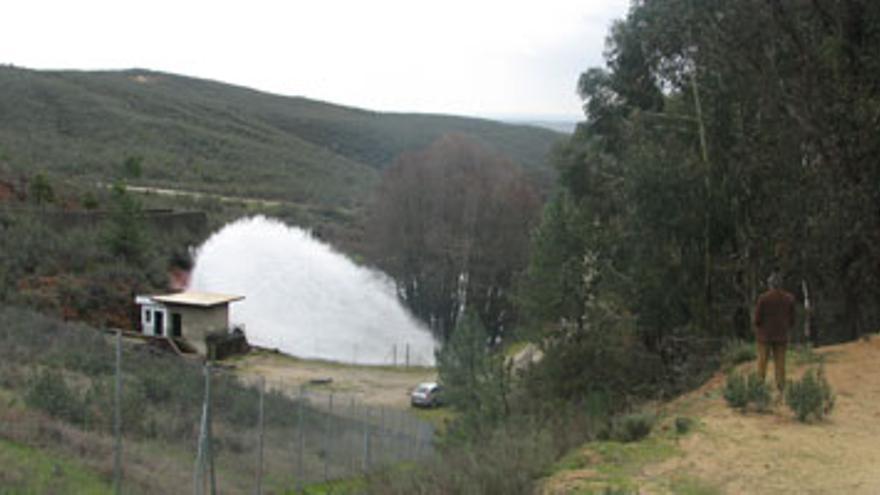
<point>772,453</point>
<point>372,385</point>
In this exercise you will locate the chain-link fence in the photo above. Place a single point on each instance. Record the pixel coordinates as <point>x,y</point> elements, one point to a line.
<point>176,426</point>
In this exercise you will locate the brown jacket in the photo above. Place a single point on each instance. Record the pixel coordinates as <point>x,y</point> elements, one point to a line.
<point>774,315</point>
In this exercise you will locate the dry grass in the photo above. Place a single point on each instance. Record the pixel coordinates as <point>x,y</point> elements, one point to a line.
<point>729,452</point>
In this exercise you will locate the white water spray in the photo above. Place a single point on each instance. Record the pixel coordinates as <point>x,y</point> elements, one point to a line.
<point>307,300</point>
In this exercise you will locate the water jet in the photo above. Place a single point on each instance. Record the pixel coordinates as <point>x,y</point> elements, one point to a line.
<point>306,299</point>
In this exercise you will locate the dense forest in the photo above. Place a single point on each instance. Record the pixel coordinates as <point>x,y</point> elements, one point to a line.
<point>723,141</point>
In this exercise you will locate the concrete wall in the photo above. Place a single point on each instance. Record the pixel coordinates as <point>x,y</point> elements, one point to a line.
<point>199,322</point>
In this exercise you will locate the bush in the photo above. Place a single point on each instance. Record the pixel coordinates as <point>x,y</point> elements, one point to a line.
<point>99,403</point>
<point>633,427</point>
<point>805,354</point>
<point>507,460</point>
<point>737,352</point>
<point>811,396</point>
<point>735,391</point>
<point>48,392</point>
<point>740,391</point>
<point>758,392</point>
<point>683,424</point>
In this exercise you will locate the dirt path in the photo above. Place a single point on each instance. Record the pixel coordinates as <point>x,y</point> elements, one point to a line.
<point>736,453</point>
<point>372,385</point>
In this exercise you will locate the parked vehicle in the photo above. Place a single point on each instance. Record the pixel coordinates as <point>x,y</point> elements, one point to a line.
<point>427,394</point>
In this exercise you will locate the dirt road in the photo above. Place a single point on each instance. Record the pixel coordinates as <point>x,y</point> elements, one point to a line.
<point>752,453</point>
<point>372,385</point>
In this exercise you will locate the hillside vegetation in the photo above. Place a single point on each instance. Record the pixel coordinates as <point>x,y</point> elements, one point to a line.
<point>731,452</point>
<point>216,137</point>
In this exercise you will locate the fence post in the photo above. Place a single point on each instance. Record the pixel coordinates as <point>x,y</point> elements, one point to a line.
<point>353,447</point>
<point>261,430</point>
<point>300,441</point>
<point>382,437</point>
<point>210,436</point>
<point>117,419</point>
<point>366,464</point>
<point>327,435</point>
<point>205,456</point>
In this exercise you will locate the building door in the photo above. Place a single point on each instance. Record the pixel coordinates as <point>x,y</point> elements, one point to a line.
<point>159,323</point>
<point>176,324</point>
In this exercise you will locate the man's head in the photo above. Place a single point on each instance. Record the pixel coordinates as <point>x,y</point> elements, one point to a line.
<point>774,281</point>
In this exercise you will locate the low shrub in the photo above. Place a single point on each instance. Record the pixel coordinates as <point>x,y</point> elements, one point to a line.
<point>758,392</point>
<point>49,392</point>
<point>683,424</point>
<point>633,427</point>
<point>811,396</point>
<point>735,392</point>
<point>805,354</point>
<point>740,391</point>
<point>737,352</point>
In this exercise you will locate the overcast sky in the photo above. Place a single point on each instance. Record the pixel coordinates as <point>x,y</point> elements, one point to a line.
<point>467,57</point>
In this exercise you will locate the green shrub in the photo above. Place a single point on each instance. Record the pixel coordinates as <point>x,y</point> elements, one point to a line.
<point>804,354</point>
<point>811,396</point>
<point>758,392</point>
<point>735,391</point>
<point>683,424</point>
<point>633,427</point>
<point>737,352</point>
<point>740,391</point>
<point>48,392</point>
<point>99,402</point>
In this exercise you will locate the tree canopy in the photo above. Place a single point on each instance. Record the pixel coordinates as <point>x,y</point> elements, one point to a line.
<point>450,224</point>
<point>723,140</point>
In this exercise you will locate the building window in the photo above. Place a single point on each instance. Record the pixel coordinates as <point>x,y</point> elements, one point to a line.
<point>148,315</point>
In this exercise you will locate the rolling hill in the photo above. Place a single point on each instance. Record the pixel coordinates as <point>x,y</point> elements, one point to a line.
<point>214,137</point>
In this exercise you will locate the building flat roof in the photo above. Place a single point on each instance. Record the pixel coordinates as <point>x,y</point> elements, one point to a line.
<point>202,299</point>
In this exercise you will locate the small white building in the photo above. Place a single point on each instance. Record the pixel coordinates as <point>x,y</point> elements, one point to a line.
<point>189,316</point>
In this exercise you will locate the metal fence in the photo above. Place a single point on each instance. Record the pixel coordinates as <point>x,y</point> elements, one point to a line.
<point>223,436</point>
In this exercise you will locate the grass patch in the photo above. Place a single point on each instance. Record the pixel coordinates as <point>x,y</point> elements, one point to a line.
<point>686,485</point>
<point>337,487</point>
<point>616,464</point>
<point>25,470</point>
<point>437,416</point>
<point>804,354</point>
<point>624,460</point>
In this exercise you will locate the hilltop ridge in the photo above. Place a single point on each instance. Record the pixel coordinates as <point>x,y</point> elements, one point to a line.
<point>217,137</point>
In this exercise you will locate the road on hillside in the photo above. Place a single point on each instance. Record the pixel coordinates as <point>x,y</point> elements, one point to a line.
<point>199,195</point>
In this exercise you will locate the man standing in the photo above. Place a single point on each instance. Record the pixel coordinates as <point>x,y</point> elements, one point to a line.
<point>774,316</point>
